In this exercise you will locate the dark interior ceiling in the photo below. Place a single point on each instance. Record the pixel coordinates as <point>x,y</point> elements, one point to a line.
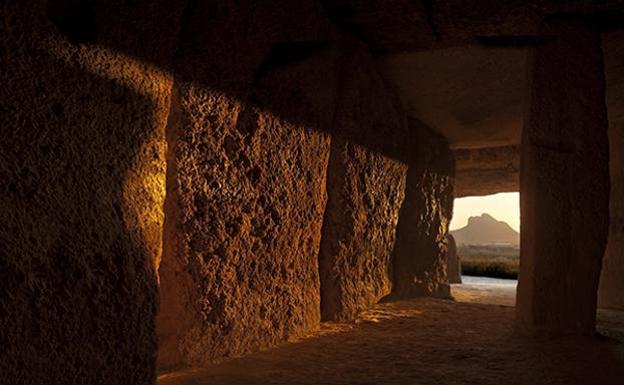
<point>460,67</point>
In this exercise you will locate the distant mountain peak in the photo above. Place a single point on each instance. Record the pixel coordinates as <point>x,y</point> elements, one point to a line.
<point>484,216</point>
<point>485,229</point>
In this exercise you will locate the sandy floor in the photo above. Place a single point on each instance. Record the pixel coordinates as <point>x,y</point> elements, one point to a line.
<point>429,341</point>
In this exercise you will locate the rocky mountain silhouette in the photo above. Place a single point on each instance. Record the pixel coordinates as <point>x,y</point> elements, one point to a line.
<point>486,230</point>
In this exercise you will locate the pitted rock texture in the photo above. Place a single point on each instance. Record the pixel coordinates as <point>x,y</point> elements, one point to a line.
<point>246,192</point>
<point>419,266</point>
<point>612,276</point>
<point>82,177</point>
<point>565,183</point>
<point>487,171</point>
<point>85,100</point>
<point>246,243</point>
<point>365,191</point>
<point>453,263</point>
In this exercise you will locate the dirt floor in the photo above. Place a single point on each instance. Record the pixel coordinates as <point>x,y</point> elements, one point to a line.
<point>430,341</point>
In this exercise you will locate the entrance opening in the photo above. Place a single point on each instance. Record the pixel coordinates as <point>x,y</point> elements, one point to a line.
<point>486,233</point>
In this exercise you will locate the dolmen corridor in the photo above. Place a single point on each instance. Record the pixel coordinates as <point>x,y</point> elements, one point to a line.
<point>211,192</point>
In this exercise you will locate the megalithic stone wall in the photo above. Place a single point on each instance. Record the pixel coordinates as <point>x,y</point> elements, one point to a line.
<point>365,187</point>
<point>419,264</point>
<point>453,263</point>
<point>82,182</point>
<point>189,160</point>
<point>253,102</point>
<point>564,182</point>
<point>611,289</point>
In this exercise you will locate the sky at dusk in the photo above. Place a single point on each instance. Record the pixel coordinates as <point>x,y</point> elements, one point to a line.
<point>503,206</point>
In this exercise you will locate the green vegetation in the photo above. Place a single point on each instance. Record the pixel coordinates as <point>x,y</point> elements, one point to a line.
<point>490,261</point>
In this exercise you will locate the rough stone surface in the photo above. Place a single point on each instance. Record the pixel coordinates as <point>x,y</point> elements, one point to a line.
<point>611,289</point>
<point>246,186</point>
<point>487,171</point>
<point>85,99</point>
<point>245,243</point>
<point>453,263</point>
<point>365,194</point>
<point>391,26</point>
<point>365,190</point>
<point>82,177</point>
<point>470,94</point>
<point>564,183</point>
<point>419,267</point>
<point>468,81</point>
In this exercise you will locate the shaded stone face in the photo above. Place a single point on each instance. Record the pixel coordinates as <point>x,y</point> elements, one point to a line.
<point>487,171</point>
<point>470,94</point>
<point>453,263</point>
<point>564,183</point>
<point>81,199</point>
<point>246,193</point>
<point>258,150</point>
<point>246,216</point>
<point>612,278</point>
<point>365,191</point>
<point>418,257</point>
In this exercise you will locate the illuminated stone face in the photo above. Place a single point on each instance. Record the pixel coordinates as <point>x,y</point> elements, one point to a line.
<point>193,139</point>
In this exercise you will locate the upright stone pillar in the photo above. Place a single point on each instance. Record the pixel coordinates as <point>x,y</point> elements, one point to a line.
<point>611,289</point>
<point>365,189</point>
<point>419,256</point>
<point>564,183</point>
<point>453,263</point>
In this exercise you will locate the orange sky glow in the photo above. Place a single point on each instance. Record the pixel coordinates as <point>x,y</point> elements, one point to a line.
<point>503,206</point>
